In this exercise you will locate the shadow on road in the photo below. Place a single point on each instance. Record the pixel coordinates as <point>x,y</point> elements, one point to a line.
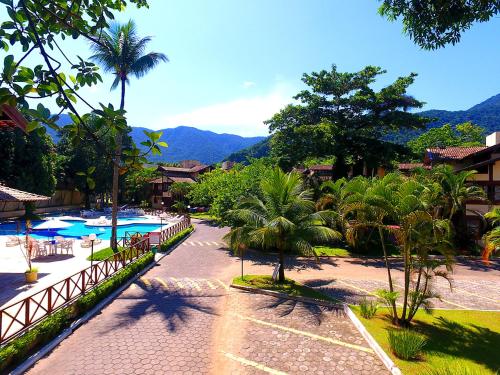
<point>308,312</point>
<point>175,306</point>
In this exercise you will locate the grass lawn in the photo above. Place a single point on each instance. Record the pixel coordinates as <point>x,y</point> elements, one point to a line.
<point>103,253</point>
<point>457,340</point>
<point>203,216</point>
<point>331,251</point>
<point>289,287</point>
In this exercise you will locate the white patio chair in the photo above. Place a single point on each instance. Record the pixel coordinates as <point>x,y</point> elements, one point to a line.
<point>13,241</point>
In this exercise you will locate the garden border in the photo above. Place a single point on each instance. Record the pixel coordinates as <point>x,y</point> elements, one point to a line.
<point>47,348</point>
<point>386,360</point>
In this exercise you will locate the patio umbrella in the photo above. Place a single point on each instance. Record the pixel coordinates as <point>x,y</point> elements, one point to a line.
<point>53,224</point>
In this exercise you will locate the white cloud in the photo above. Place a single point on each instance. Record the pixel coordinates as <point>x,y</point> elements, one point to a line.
<point>242,116</point>
<point>248,84</point>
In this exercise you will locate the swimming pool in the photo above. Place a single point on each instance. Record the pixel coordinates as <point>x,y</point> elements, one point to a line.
<point>78,229</point>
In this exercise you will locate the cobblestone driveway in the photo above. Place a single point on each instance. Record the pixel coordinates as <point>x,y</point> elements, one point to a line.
<point>181,318</point>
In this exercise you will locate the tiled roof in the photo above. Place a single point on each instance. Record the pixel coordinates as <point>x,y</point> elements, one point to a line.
<point>181,179</point>
<point>322,167</point>
<point>11,117</point>
<point>8,194</point>
<point>194,169</point>
<point>410,166</point>
<point>453,153</point>
<point>198,168</point>
<point>158,180</point>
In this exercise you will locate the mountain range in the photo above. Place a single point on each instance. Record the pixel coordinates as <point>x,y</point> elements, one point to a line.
<point>485,114</point>
<point>186,142</point>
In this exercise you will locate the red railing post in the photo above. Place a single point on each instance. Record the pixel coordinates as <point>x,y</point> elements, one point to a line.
<point>26,311</point>
<point>49,299</point>
<point>67,289</point>
<point>83,281</point>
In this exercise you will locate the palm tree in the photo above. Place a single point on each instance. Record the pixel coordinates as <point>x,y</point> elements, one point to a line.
<point>121,52</point>
<point>285,219</point>
<point>398,206</point>
<point>456,191</point>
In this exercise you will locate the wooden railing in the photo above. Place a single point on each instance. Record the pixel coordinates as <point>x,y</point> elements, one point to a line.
<point>20,316</point>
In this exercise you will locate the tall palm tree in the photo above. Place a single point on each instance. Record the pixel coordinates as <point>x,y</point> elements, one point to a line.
<point>122,52</point>
<point>285,219</point>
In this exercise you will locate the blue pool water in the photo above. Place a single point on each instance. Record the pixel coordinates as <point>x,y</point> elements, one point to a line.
<point>77,229</point>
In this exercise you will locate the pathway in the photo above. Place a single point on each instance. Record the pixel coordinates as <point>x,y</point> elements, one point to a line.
<point>181,318</point>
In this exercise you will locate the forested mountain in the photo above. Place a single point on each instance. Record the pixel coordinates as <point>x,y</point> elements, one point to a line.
<point>186,142</point>
<point>485,114</point>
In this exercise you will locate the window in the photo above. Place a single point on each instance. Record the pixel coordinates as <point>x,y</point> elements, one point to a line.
<point>482,170</point>
<point>496,193</point>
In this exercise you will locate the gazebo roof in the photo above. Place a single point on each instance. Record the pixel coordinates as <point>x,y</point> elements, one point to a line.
<point>11,117</point>
<point>8,194</point>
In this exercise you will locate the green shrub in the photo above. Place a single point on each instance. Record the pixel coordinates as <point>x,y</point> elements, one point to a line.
<point>175,239</point>
<point>22,347</point>
<point>368,308</point>
<point>406,344</point>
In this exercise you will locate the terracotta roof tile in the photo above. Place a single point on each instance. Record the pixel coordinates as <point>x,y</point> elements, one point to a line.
<point>322,167</point>
<point>453,153</point>
<point>410,166</point>
<point>181,179</point>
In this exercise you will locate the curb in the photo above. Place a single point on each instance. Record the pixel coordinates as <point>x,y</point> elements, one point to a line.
<point>30,361</point>
<point>386,360</point>
<point>286,296</point>
<point>371,341</point>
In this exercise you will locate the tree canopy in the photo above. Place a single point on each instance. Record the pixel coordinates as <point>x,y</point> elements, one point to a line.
<point>41,28</point>
<point>465,135</point>
<point>342,116</point>
<point>28,161</point>
<point>434,23</point>
<point>221,190</point>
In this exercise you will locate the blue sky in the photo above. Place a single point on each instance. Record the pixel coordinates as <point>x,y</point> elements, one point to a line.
<point>235,63</point>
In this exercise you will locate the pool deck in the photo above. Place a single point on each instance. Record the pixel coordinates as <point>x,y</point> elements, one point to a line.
<point>51,268</point>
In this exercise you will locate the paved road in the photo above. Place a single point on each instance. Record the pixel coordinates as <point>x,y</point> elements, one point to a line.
<point>180,318</point>
<point>164,323</point>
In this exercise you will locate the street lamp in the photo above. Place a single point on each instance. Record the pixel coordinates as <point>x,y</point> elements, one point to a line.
<point>92,238</point>
<point>163,216</point>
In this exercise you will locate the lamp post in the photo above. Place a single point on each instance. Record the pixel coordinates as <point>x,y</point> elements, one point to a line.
<point>92,237</point>
<point>162,217</point>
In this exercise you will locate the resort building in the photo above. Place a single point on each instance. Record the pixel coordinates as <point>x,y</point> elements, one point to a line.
<point>483,159</point>
<point>187,172</point>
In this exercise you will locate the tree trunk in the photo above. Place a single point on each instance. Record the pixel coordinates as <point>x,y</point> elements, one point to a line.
<point>389,277</point>
<point>116,177</point>
<point>407,270</point>
<point>281,278</point>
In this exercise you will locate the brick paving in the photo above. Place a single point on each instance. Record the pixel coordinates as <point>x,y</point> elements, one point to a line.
<point>163,323</point>
<point>293,337</point>
<point>181,318</point>
<point>464,294</point>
